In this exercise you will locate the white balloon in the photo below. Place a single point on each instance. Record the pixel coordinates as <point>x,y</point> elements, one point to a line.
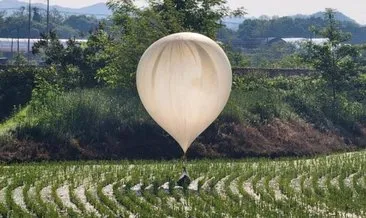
<point>184,82</point>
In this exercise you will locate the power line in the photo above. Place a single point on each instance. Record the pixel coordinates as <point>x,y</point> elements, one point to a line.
<point>48,16</point>
<point>29,28</point>
<point>62,11</point>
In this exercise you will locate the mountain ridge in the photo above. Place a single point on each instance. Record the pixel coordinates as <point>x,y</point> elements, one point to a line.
<point>234,22</point>
<point>99,9</point>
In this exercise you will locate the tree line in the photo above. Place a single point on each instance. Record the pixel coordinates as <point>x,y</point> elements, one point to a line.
<point>83,103</point>
<point>286,27</point>
<point>15,25</point>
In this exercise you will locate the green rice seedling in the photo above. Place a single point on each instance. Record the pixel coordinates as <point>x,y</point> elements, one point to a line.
<point>101,208</point>
<point>242,188</point>
<point>74,199</point>
<point>14,209</point>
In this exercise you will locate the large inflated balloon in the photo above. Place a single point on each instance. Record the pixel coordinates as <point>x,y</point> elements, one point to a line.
<point>184,81</point>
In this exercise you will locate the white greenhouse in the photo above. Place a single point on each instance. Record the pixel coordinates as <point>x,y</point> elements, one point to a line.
<point>12,44</point>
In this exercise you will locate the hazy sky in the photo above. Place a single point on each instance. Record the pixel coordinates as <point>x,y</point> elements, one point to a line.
<point>356,9</point>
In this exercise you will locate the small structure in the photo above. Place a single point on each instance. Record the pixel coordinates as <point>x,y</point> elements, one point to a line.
<point>3,60</point>
<point>296,40</point>
<point>21,45</point>
<point>184,179</point>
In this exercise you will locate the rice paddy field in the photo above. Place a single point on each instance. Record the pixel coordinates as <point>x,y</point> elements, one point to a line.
<point>329,186</point>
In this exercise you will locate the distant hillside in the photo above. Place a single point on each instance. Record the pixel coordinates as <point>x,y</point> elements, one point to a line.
<point>99,10</point>
<point>338,15</point>
<point>233,23</point>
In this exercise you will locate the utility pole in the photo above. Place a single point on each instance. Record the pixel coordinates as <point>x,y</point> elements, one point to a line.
<point>18,46</point>
<point>29,29</point>
<point>12,48</point>
<point>48,17</point>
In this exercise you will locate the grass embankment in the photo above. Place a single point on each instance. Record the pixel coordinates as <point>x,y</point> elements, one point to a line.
<point>221,188</point>
<point>264,117</point>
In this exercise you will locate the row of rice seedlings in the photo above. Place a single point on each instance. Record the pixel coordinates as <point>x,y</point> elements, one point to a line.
<point>137,197</point>
<point>266,196</point>
<point>293,205</point>
<point>30,204</point>
<point>247,200</point>
<point>360,191</point>
<point>235,198</point>
<point>112,205</point>
<point>44,209</point>
<point>93,199</point>
<point>3,205</point>
<point>144,204</point>
<point>318,197</point>
<point>3,210</point>
<point>308,195</point>
<point>75,200</point>
<point>145,196</point>
<point>128,198</point>
<point>171,202</point>
<point>275,174</point>
<point>253,208</point>
<point>343,192</point>
<point>212,197</point>
<point>159,175</point>
<point>279,200</point>
<point>169,205</point>
<point>123,199</point>
<point>201,200</point>
<point>57,199</point>
<point>238,198</point>
<point>14,209</point>
<point>181,203</point>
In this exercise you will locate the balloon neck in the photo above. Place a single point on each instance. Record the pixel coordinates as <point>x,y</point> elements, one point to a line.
<point>184,160</point>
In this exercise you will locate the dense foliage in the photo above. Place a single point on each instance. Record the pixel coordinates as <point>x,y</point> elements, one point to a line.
<point>15,25</point>
<point>84,103</point>
<point>285,27</point>
<point>16,86</point>
<point>77,63</point>
<point>137,28</point>
<point>110,123</point>
<point>339,64</point>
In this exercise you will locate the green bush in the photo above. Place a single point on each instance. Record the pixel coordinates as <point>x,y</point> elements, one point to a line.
<point>16,86</point>
<point>86,114</point>
<point>112,123</point>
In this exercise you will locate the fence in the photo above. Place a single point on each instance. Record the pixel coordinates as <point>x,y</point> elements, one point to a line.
<point>271,72</point>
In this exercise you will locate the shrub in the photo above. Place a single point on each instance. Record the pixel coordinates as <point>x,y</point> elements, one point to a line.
<point>16,86</point>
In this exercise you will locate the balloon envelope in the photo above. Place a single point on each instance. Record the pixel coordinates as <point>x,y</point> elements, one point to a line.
<point>184,82</point>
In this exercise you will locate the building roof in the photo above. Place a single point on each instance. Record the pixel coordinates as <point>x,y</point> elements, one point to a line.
<point>302,40</point>
<point>11,44</point>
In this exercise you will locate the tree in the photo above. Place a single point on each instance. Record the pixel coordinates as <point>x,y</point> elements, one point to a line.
<point>37,15</point>
<point>2,16</point>
<point>337,62</point>
<point>50,49</point>
<point>237,58</point>
<point>82,23</point>
<point>19,60</point>
<point>77,63</point>
<point>14,25</point>
<point>137,28</point>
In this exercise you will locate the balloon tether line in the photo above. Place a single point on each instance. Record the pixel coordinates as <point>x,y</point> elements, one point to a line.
<point>184,180</point>
<point>184,160</point>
